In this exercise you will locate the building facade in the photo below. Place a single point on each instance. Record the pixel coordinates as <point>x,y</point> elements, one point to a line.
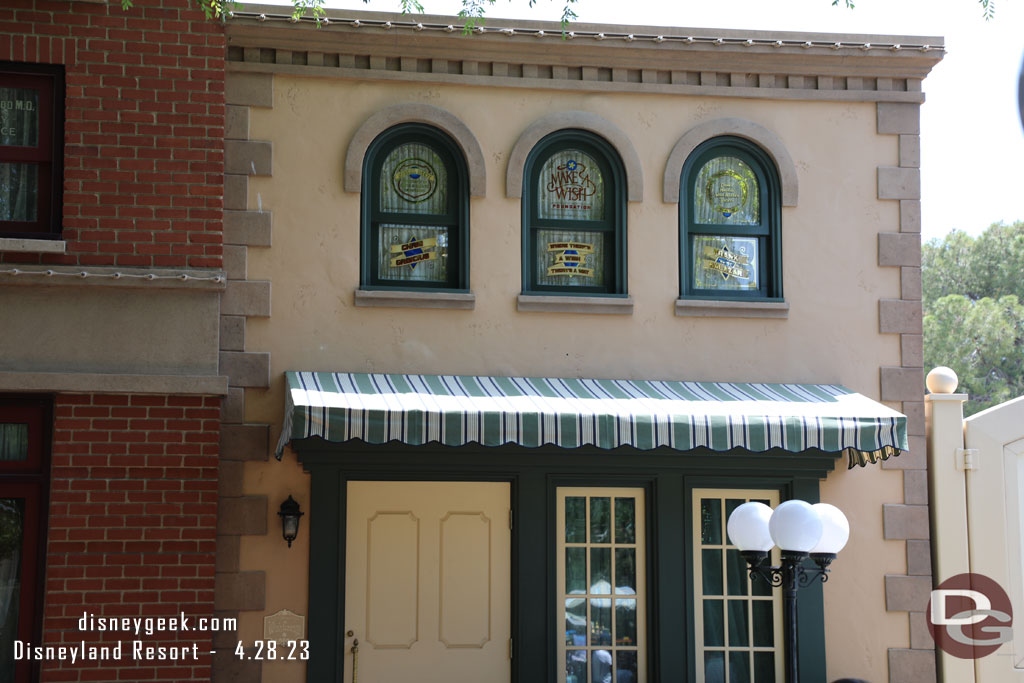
<point>571,244</point>
<point>111,178</point>
<point>349,246</point>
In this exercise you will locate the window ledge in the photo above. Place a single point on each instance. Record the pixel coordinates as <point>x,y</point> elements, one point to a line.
<point>538,303</point>
<point>32,246</point>
<point>711,308</point>
<point>390,298</point>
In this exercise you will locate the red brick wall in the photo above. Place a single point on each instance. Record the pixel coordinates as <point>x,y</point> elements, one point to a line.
<point>144,133</point>
<point>132,527</point>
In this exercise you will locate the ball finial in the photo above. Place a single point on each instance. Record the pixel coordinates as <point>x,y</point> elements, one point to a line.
<point>942,380</point>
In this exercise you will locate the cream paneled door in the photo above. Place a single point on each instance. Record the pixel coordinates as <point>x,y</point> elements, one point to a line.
<point>427,582</point>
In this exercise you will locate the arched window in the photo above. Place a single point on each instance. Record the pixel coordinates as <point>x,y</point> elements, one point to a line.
<point>574,217</point>
<point>729,223</point>
<point>415,211</point>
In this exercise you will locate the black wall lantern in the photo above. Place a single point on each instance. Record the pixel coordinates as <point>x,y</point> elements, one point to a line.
<point>290,514</point>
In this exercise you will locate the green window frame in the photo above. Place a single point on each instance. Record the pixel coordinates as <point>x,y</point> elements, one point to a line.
<point>729,223</point>
<point>601,260</point>
<point>424,225</point>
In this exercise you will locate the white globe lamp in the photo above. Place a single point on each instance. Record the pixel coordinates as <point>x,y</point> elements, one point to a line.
<point>795,526</point>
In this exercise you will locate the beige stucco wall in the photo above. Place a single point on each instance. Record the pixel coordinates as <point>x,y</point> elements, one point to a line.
<point>831,281</point>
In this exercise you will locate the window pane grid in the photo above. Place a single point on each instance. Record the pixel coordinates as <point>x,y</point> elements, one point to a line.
<point>602,614</point>
<point>738,635</point>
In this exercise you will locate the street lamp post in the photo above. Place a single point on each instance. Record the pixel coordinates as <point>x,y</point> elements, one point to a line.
<point>800,530</point>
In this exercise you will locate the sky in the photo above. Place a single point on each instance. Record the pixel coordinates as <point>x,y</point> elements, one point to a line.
<point>972,142</point>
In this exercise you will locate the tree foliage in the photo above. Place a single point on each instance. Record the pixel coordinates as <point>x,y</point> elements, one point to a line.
<point>973,315</point>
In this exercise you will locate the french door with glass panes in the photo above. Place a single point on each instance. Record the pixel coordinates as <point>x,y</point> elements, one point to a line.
<point>601,585</point>
<point>738,621</point>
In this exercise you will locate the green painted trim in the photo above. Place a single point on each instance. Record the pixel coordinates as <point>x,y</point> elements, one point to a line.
<point>668,478</point>
<point>613,171</point>
<point>457,218</point>
<point>769,231</point>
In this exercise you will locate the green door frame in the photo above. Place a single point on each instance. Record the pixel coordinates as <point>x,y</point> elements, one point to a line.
<point>668,478</point>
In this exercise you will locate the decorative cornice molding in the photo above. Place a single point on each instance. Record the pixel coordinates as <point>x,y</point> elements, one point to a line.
<point>416,113</point>
<point>583,120</point>
<point>756,133</point>
<point>363,45</point>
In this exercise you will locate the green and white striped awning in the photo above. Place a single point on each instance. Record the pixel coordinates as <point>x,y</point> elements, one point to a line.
<point>456,410</point>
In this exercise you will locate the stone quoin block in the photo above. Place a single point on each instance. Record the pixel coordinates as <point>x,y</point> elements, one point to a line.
<point>246,369</point>
<point>911,666</point>
<point>232,333</point>
<point>912,350</point>
<point>910,283</point>
<point>910,151</point>
<point>246,297</point>
<point>899,183</point>
<point>902,384</point>
<point>896,316</point>
<point>914,410</point>
<point>236,262</point>
<point>919,558</point>
<point>920,638</point>
<point>915,487</point>
<point>899,118</point>
<point>249,89</point>
<point>233,408</point>
<point>910,215</point>
<point>240,591</point>
<point>228,553</point>
<point>249,157</point>
<point>894,248</point>
<point>246,515</point>
<point>248,228</point>
<point>236,192</point>
<point>245,442</point>
<point>915,458</point>
<point>228,668</point>
<point>236,123</point>
<point>903,522</point>
<point>907,593</point>
<point>229,480</point>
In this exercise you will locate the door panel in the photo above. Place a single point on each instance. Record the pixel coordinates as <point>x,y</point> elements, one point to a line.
<point>427,581</point>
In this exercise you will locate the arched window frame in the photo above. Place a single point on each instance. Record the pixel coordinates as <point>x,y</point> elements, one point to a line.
<point>456,217</point>
<point>768,230</point>
<point>614,175</point>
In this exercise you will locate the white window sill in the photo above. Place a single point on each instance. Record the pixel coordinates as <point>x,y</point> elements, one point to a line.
<point>605,305</point>
<point>32,246</point>
<point>389,298</point>
<point>705,308</point>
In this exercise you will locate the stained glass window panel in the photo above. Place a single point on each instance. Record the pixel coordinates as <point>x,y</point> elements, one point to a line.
<point>726,193</point>
<point>19,117</point>
<point>725,263</point>
<point>570,187</point>
<point>570,258</point>
<point>413,179</point>
<point>413,253</point>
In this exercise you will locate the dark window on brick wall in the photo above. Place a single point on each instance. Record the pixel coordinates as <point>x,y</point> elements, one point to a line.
<point>31,150</point>
<point>25,428</point>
